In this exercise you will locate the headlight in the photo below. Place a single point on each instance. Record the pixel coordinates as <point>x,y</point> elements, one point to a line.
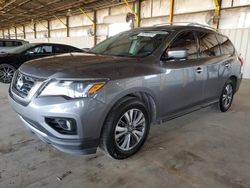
<point>72,89</point>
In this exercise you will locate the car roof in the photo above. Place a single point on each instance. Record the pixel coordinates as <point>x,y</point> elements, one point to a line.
<point>46,43</point>
<point>181,27</point>
<point>18,40</point>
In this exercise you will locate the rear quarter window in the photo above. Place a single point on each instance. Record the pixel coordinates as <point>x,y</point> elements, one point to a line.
<point>209,45</point>
<point>61,49</point>
<point>19,43</point>
<point>227,47</point>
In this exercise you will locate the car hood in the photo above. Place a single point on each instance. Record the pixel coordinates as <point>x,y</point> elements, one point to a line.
<point>85,65</point>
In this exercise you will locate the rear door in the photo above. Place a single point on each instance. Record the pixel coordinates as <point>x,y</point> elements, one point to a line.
<point>183,84</point>
<point>217,68</point>
<point>230,60</point>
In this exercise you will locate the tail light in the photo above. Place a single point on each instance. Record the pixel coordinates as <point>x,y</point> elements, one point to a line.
<point>241,60</point>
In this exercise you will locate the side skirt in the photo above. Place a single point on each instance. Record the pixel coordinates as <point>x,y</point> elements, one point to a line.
<point>186,111</point>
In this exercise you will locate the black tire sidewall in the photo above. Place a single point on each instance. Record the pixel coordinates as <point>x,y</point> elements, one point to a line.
<point>112,148</point>
<point>222,107</point>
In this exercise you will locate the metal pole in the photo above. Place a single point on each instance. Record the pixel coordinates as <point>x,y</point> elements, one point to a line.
<point>35,30</point>
<point>15,32</point>
<point>139,13</point>
<point>94,28</point>
<point>48,22</point>
<point>24,33</point>
<point>9,33</point>
<point>67,25</point>
<point>217,11</point>
<point>171,11</point>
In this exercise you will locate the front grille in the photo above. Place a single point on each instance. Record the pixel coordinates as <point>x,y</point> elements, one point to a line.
<point>22,84</point>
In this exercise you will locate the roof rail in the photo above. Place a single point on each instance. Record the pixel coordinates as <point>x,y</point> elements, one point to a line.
<point>188,24</point>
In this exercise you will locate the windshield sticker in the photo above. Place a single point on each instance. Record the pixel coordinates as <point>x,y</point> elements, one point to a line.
<point>147,35</point>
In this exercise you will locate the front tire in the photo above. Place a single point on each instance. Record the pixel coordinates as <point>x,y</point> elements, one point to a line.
<point>125,129</point>
<point>226,98</point>
<point>6,73</point>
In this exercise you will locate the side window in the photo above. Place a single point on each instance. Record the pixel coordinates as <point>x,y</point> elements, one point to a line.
<point>9,44</point>
<point>19,44</point>
<point>14,43</point>
<point>72,49</point>
<point>41,50</point>
<point>1,44</point>
<point>35,50</point>
<point>187,41</point>
<point>209,46</point>
<point>61,49</point>
<point>46,49</point>
<point>226,45</point>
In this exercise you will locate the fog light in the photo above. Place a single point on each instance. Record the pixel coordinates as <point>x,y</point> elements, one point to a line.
<point>62,125</point>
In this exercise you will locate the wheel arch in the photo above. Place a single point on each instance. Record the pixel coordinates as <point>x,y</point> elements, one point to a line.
<point>234,80</point>
<point>145,95</point>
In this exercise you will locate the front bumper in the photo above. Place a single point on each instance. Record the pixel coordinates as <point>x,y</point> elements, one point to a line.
<point>88,114</point>
<point>71,146</point>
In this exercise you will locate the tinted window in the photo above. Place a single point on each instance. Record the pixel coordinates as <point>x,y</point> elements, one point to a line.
<point>209,46</point>
<point>187,41</point>
<point>19,44</point>
<point>14,43</point>
<point>41,50</point>
<point>226,45</point>
<point>46,49</point>
<point>1,44</point>
<point>61,49</point>
<point>9,44</point>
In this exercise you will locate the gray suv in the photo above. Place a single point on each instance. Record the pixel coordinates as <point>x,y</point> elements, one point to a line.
<point>109,96</point>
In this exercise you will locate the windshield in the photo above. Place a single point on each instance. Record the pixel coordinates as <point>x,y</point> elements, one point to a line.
<point>132,44</point>
<point>21,49</point>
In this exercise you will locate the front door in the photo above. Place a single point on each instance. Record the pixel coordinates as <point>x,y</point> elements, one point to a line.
<point>182,85</point>
<point>37,52</point>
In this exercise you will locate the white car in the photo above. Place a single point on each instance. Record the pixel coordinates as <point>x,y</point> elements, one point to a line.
<point>8,44</point>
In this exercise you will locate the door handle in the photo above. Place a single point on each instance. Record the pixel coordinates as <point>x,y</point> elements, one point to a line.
<point>199,70</point>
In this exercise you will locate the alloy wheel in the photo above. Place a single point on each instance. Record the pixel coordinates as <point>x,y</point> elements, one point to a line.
<point>227,95</point>
<point>130,129</point>
<point>6,73</point>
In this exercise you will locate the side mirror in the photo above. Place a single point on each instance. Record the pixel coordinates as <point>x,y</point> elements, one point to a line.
<point>177,53</point>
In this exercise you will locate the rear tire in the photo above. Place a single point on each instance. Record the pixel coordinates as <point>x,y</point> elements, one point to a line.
<point>6,73</point>
<point>226,98</point>
<point>125,129</point>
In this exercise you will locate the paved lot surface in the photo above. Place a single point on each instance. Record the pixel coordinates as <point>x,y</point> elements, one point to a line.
<point>203,149</point>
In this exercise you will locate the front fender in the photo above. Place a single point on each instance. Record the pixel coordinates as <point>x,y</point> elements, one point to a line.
<point>114,91</point>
